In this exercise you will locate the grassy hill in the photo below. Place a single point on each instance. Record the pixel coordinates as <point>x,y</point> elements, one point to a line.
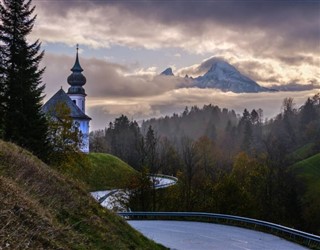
<point>42,209</point>
<point>308,174</point>
<point>108,172</point>
<point>309,171</point>
<point>98,171</point>
<point>302,153</point>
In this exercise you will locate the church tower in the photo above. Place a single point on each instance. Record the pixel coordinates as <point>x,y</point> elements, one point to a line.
<point>75,100</point>
<point>78,95</point>
<point>76,80</point>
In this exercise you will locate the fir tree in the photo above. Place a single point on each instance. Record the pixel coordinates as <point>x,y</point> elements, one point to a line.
<point>23,121</point>
<point>2,89</point>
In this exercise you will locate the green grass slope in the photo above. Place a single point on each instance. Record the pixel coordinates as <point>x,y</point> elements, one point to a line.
<point>42,209</point>
<point>309,171</point>
<point>302,153</point>
<point>108,172</point>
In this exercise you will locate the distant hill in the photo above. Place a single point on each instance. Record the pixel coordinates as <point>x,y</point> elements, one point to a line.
<point>42,209</point>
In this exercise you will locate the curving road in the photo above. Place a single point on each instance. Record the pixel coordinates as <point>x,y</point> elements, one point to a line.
<point>207,236</point>
<point>112,199</point>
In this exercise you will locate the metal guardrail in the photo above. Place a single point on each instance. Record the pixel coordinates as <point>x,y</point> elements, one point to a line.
<point>174,180</point>
<point>165,176</point>
<point>103,198</point>
<point>303,238</point>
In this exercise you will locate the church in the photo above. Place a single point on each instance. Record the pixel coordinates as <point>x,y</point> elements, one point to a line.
<point>75,100</point>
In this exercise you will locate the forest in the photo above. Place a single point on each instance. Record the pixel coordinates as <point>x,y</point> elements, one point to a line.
<point>225,162</point>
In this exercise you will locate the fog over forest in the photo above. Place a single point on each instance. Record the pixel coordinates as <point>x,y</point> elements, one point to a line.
<point>226,163</point>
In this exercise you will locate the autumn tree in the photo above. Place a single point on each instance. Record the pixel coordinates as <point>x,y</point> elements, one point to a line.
<point>310,119</point>
<point>169,159</point>
<point>188,155</point>
<point>206,157</point>
<point>140,193</point>
<point>97,142</point>
<point>64,134</point>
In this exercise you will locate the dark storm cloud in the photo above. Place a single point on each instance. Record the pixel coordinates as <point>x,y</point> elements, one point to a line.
<point>264,13</point>
<point>294,20</point>
<point>267,13</point>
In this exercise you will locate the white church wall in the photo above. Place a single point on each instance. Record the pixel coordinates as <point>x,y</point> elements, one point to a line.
<point>79,100</point>
<point>84,128</point>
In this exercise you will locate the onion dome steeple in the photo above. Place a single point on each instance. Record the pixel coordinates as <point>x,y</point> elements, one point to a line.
<point>77,79</point>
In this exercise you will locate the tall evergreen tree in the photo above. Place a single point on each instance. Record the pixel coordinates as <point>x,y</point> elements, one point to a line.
<point>23,121</point>
<point>2,89</point>
<point>151,150</point>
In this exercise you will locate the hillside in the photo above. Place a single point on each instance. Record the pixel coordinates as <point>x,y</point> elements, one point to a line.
<point>42,209</point>
<point>302,153</point>
<point>308,173</point>
<point>309,170</point>
<point>108,172</point>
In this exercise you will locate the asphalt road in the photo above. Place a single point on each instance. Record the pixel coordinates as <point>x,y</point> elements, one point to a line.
<point>183,235</point>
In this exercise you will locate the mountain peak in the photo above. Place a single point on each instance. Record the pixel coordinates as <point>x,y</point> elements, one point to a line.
<point>224,76</point>
<point>167,72</point>
<point>221,67</point>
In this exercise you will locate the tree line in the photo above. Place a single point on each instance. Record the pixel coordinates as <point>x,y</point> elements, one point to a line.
<point>226,163</point>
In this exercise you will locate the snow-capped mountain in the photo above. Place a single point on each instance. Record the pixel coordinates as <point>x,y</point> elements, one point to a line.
<point>167,72</point>
<point>221,75</point>
<point>225,77</point>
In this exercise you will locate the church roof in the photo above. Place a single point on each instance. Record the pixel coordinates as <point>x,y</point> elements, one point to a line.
<point>76,67</point>
<point>62,97</point>
<point>76,79</point>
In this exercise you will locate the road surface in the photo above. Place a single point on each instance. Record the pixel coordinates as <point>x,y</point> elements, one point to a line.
<point>184,235</point>
<point>113,199</point>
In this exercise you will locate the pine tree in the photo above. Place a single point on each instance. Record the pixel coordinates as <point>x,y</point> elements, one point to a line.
<point>2,89</point>
<point>151,144</point>
<point>23,121</point>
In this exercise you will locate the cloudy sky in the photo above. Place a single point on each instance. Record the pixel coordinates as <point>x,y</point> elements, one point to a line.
<point>124,45</point>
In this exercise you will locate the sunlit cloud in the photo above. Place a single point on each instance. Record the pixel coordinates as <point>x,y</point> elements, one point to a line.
<point>113,91</point>
<point>275,43</point>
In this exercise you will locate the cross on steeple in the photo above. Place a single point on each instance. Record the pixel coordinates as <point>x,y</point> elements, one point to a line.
<point>76,67</point>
